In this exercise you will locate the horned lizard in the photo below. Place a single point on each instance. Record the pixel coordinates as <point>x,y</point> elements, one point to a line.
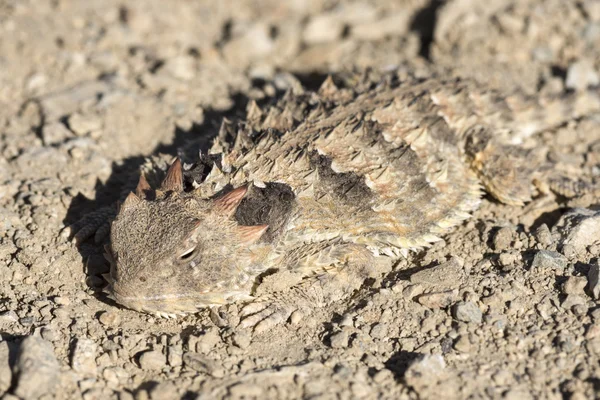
<point>325,186</point>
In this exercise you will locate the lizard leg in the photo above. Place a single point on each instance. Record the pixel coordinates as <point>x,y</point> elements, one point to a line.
<point>506,171</point>
<point>338,271</point>
<point>96,223</point>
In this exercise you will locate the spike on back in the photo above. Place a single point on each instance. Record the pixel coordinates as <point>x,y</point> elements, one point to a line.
<point>229,202</point>
<point>328,87</point>
<point>130,202</point>
<point>143,187</point>
<point>174,179</point>
<point>254,112</point>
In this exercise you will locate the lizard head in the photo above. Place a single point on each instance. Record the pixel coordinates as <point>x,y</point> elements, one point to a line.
<point>172,252</point>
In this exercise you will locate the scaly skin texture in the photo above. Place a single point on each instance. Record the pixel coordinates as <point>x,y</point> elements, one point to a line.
<point>328,187</point>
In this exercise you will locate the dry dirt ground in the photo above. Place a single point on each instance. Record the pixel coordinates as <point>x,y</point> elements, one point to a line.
<point>505,307</point>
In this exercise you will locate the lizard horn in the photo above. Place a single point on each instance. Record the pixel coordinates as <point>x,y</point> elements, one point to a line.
<point>229,202</point>
<point>142,187</point>
<point>250,234</point>
<point>174,179</point>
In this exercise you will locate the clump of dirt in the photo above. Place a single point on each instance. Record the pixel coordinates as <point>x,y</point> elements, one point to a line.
<point>504,307</point>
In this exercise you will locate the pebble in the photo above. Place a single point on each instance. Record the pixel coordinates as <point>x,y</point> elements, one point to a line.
<point>322,28</point>
<point>201,363</point>
<point>448,274</point>
<point>467,311</point>
<point>5,371</point>
<point>581,74</point>
<point>152,360</point>
<point>545,259</point>
<point>8,316</point>
<point>205,343</point>
<point>438,299</point>
<point>83,357</point>
<point>37,363</point>
<point>463,344</point>
<point>594,281</point>
<point>62,301</point>
<point>503,238</point>
<point>508,260</point>
<point>574,285</point>
<point>572,300</point>
<point>110,318</point>
<point>55,133</point>
<point>182,67</point>
<point>425,370</point>
<point>379,331</point>
<point>242,339</point>
<point>339,340</point>
<point>578,229</point>
<point>543,235</point>
<point>175,355</point>
<point>82,125</point>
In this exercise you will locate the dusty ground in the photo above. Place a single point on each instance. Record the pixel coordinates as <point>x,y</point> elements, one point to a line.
<point>501,309</point>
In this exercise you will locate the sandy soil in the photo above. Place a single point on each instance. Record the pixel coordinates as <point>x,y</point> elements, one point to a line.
<point>504,307</point>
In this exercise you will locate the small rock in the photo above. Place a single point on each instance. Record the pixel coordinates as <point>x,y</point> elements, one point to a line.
<point>467,311</point>
<point>9,316</point>
<point>508,260</point>
<point>594,281</point>
<point>110,318</point>
<point>574,285</point>
<point>62,301</point>
<point>83,358</point>
<point>36,368</point>
<point>578,229</point>
<point>503,238</point>
<point>446,275</point>
<point>425,372</point>
<point>323,28</point>
<point>181,67</point>
<point>242,339</point>
<point>543,235</point>
<point>51,334</point>
<point>438,299</point>
<point>201,363</point>
<point>463,344</point>
<point>545,259</point>
<point>5,371</point>
<point>175,355</point>
<point>339,340</point>
<point>346,320</point>
<point>412,291</point>
<point>296,317</point>
<point>572,300</point>
<point>152,360</point>
<point>581,75</point>
<point>82,125</point>
<point>55,133</point>
<point>206,342</point>
<point>379,331</point>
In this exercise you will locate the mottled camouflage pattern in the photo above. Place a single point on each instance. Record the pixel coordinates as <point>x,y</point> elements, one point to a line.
<point>325,185</point>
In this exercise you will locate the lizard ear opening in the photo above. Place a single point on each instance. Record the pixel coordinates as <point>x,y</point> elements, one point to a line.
<point>174,179</point>
<point>251,234</point>
<point>229,202</point>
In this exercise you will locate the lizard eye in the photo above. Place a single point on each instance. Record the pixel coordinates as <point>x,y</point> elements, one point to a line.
<point>187,254</point>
